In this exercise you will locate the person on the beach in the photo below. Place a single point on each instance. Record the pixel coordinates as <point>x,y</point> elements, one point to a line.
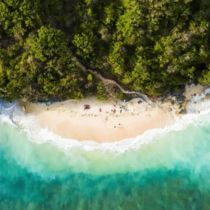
<point>86,106</point>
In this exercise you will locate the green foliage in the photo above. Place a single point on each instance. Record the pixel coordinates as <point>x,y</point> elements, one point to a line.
<point>205,77</point>
<point>19,17</point>
<point>50,60</point>
<point>83,44</point>
<point>150,46</point>
<point>101,92</point>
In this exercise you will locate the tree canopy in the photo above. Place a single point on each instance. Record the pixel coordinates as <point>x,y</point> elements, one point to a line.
<point>155,47</point>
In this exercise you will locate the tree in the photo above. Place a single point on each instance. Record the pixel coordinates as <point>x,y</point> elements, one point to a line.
<point>154,47</point>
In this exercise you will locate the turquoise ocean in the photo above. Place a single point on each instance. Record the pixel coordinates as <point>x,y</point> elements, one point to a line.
<point>163,169</point>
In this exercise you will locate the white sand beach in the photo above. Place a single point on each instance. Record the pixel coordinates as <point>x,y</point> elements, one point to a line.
<point>91,119</point>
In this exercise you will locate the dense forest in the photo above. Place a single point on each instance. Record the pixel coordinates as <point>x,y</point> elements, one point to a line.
<point>60,49</point>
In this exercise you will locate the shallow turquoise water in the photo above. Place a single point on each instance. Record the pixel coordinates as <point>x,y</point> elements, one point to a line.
<point>172,173</point>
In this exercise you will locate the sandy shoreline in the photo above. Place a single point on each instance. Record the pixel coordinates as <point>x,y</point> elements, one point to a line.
<point>102,122</point>
<point>90,119</point>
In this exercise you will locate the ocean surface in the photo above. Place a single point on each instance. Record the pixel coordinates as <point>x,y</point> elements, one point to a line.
<point>163,169</point>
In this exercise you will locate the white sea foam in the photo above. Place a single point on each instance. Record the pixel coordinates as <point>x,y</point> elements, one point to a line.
<point>199,103</point>
<point>100,158</point>
<point>198,109</point>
